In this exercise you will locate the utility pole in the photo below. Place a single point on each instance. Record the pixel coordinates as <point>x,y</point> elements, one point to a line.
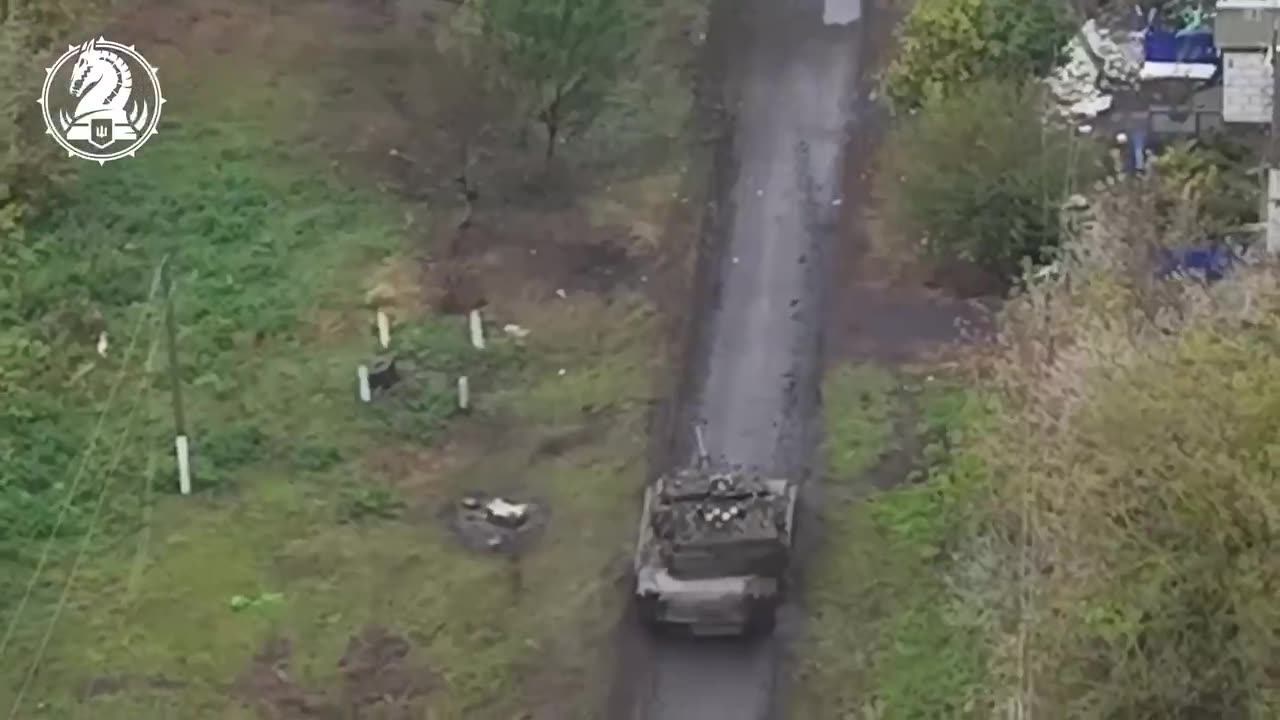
<point>181,445</point>
<point>1273,154</point>
<point>1273,151</point>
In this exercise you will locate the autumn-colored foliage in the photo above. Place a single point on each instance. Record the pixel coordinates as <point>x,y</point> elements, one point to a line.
<point>945,44</point>
<point>1133,472</point>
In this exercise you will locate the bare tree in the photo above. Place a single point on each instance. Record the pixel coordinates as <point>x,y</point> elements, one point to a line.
<point>472,99</point>
<point>564,54</point>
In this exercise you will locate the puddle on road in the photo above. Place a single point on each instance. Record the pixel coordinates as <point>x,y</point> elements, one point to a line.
<point>841,12</point>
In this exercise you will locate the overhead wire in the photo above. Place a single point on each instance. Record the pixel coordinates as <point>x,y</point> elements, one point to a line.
<point>84,463</point>
<point>85,541</point>
<point>144,540</point>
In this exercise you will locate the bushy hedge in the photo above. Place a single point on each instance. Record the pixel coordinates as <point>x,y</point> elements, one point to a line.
<point>979,176</point>
<point>1134,473</point>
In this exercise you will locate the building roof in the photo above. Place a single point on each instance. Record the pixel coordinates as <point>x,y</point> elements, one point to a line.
<point>1248,5</point>
<point>1244,24</point>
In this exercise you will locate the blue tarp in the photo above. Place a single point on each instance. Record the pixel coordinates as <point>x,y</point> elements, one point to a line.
<point>1167,46</point>
<point>1211,263</point>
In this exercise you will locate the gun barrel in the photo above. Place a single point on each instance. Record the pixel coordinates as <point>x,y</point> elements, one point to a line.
<point>702,447</point>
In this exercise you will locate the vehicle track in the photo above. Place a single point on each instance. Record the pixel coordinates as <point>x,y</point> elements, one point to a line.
<point>790,85</point>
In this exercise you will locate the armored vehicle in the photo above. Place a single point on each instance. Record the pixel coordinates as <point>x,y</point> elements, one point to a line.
<point>713,549</point>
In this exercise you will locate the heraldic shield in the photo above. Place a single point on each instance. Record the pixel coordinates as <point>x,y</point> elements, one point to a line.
<point>101,132</point>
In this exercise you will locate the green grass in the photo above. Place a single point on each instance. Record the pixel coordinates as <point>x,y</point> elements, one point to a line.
<point>884,640</point>
<point>313,517</point>
<point>478,638</point>
<point>288,500</point>
<point>859,408</point>
<point>255,252</point>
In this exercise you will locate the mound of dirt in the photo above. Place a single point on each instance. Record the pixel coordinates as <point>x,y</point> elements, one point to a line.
<point>375,669</point>
<point>376,677</point>
<point>267,686</point>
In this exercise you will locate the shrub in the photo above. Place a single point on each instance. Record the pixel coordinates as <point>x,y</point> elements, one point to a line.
<point>946,44</point>
<point>980,177</point>
<point>1136,479</point>
<point>1212,176</point>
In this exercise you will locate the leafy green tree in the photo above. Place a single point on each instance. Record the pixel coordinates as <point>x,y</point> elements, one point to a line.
<point>945,44</point>
<point>565,54</point>
<point>979,177</point>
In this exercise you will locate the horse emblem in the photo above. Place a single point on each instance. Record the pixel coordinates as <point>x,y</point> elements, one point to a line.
<point>101,100</point>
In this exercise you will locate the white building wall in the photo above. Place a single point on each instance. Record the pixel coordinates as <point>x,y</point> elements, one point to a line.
<point>1247,87</point>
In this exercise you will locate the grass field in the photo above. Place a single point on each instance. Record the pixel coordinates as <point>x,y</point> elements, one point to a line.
<point>884,638</point>
<point>313,571</point>
<point>281,445</point>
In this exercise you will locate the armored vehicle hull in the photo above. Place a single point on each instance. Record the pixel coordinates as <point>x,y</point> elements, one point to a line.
<point>722,579</point>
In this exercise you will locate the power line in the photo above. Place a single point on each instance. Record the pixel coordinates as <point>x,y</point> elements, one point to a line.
<point>145,540</point>
<point>85,541</point>
<point>84,463</point>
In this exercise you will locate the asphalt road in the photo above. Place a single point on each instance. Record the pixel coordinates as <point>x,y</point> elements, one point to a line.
<point>792,75</point>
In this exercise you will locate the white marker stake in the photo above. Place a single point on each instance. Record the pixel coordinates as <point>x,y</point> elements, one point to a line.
<point>384,329</point>
<point>366,394</point>
<point>464,393</point>
<point>184,464</point>
<point>477,330</point>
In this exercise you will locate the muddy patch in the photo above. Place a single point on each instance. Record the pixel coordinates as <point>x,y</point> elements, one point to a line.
<point>898,325</point>
<point>486,523</point>
<point>495,524</point>
<point>270,688</point>
<point>520,257</point>
<point>411,469</point>
<point>561,443</point>
<point>459,290</point>
<point>376,679</point>
<point>376,672</point>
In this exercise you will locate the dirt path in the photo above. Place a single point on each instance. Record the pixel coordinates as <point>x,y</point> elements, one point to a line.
<point>790,89</point>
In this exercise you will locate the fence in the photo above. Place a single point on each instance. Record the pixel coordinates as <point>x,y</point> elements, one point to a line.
<point>1166,122</point>
<point>1158,125</point>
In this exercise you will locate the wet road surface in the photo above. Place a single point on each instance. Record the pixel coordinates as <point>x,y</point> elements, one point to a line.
<point>791,90</point>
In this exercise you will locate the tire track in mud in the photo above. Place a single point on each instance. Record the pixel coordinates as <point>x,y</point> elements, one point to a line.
<point>754,351</point>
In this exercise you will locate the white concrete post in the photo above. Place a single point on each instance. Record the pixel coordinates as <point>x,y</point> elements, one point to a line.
<point>464,393</point>
<point>184,464</point>
<point>477,330</point>
<point>384,329</point>
<point>362,373</point>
